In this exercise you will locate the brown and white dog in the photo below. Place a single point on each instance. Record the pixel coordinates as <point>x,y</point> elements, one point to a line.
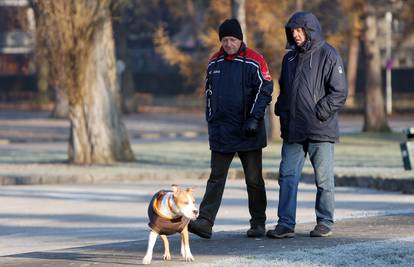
<point>170,212</point>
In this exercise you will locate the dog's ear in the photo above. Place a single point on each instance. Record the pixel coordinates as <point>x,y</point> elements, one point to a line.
<point>175,188</point>
<point>189,190</point>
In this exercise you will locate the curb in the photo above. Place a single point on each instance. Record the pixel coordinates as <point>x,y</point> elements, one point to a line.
<point>405,186</point>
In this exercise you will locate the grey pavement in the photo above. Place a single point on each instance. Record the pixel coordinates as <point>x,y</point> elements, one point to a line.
<point>106,225</point>
<point>56,214</point>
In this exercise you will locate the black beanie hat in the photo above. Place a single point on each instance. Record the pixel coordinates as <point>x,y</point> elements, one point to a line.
<point>230,27</point>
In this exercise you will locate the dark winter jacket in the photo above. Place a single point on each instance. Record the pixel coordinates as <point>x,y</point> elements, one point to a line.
<point>237,87</point>
<point>312,85</point>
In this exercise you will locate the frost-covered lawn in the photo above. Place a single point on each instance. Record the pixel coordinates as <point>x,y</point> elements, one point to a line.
<point>395,252</point>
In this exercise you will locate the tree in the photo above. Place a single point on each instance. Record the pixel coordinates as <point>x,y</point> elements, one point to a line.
<point>353,10</point>
<point>81,58</point>
<point>403,10</point>
<point>44,77</point>
<point>353,55</point>
<point>191,66</point>
<point>22,18</point>
<point>122,19</point>
<point>238,11</point>
<point>375,119</point>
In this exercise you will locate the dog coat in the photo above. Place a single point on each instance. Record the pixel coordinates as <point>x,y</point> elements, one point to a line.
<point>163,225</point>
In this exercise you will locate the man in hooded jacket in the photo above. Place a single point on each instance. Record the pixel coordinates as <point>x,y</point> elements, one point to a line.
<point>312,90</point>
<point>238,90</point>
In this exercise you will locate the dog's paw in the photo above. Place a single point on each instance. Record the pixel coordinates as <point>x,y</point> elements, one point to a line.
<point>167,256</point>
<point>189,257</point>
<point>146,260</point>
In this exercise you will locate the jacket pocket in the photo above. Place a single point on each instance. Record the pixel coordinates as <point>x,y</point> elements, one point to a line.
<point>317,125</point>
<point>284,121</point>
<point>320,113</point>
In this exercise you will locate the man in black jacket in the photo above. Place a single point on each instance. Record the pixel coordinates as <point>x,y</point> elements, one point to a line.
<point>238,89</point>
<point>312,90</point>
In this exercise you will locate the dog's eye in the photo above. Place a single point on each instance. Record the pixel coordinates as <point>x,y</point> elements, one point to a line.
<point>185,202</point>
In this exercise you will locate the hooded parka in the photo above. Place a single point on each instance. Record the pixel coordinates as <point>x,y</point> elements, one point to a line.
<point>312,85</point>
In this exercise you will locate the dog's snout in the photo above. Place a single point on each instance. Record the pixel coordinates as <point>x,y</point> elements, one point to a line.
<point>195,212</point>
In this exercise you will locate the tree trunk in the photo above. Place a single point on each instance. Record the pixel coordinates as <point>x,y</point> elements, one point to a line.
<point>98,134</point>
<point>80,47</point>
<point>353,62</point>
<point>194,12</point>
<point>42,75</point>
<point>126,78</point>
<point>299,5</point>
<point>40,55</point>
<point>375,115</point>
<point>238,11</point>
<point>61,105</point>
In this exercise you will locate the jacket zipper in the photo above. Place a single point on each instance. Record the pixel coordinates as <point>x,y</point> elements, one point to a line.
<point>209,92</point>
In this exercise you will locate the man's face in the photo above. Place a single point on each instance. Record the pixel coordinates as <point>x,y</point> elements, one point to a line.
<point>299,36</point>
<point>230,44</point>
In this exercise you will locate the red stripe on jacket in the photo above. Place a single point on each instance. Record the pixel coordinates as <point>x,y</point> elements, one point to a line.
<point>250,55</point>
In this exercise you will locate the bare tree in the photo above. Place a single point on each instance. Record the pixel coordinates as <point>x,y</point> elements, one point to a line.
<point>238,11</point>
<point>299,5</point>
<point>375,115</point>
<point>191,67</point>
<point>23,18</point>
<point>43,70</point>
<point>122,18</point>
<point>81,58</point>
<point>353,9</point>
<point>353,54</point>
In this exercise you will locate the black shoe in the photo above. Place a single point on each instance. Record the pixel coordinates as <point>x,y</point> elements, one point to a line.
<point>320,230</point>
<point>256,231</point>
<point>281,232</point>
<point>201,227</point>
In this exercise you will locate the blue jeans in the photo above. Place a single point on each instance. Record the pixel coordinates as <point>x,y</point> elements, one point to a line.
<point>321,155</point>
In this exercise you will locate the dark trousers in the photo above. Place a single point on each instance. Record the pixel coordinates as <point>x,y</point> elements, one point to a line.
<point>252,166</point>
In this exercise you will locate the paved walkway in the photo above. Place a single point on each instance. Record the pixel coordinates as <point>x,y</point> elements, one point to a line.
<point>106,225</point>
<point>96,215</point>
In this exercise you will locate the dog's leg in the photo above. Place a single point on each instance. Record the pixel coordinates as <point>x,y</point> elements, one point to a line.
<point>182,247</point>
<point>167,255</point>
<point>151,242</point>
<point>186,244</point>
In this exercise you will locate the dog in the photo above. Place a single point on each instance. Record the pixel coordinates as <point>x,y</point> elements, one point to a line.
<point>170,212</point>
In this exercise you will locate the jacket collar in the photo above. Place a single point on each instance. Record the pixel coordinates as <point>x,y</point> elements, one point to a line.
<point>241,52</point>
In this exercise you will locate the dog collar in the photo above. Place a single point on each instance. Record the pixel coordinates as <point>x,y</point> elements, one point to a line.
<point>171,206</point>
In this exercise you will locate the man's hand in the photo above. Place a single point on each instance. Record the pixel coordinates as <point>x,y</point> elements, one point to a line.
<point>250,127</point>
